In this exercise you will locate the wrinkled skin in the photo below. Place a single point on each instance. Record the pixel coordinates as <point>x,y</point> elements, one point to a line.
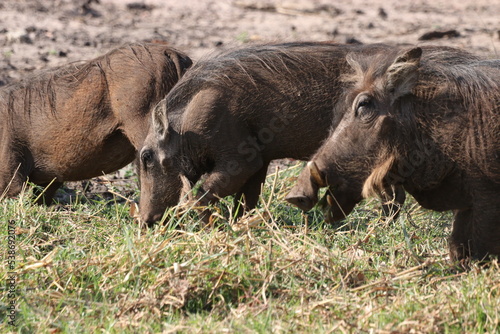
<point>82,120</point>
<point>430,125</point>
<point>234,113</point>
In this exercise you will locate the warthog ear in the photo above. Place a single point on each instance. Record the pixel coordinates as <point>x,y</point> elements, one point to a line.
<point>160,121</point>
<point>181,62</point>
<point>402,75</point>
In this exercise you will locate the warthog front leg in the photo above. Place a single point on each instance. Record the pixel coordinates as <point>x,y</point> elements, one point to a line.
<point>476,230</point>
<point>393,200</point>
<point>486,225</point>
<point>249,194</point>
<point>460,240</point>
<point>46,195</point>
<point>230,177</point>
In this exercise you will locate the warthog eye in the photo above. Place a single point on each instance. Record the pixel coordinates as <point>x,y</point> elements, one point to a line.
<point>147,157</point>
<point>365,108</point>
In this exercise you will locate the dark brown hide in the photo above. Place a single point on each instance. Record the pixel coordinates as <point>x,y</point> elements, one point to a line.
<point>234,113</point>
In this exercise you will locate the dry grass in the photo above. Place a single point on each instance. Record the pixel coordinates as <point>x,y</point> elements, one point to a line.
<point>87,268</point>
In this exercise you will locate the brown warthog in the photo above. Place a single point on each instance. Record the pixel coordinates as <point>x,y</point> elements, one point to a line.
<point>431,125</point>
<point>85,119</point>
<point>234,113</point>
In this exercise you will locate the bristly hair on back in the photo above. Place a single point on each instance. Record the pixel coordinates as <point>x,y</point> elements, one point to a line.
<point>261,65</point>
<point>366,69</point>
<point>42,87</point>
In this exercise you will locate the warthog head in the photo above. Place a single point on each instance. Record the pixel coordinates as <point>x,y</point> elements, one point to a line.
<point>360,153</point>
<point>160,173</point>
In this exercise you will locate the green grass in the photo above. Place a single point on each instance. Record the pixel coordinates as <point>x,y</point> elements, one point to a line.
<point>87,268</point>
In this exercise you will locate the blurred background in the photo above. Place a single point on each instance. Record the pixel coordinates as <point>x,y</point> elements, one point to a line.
<point>35,34</point>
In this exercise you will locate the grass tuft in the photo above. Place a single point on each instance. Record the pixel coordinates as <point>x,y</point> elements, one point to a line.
<point>86,267</point>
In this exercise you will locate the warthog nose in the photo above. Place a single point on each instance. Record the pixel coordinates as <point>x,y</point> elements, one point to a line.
<point>151,219</point>
<point>300,201</point>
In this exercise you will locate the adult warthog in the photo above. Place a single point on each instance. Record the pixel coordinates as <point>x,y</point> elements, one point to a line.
<point>431,125</point>
<point>234,113</point>
<point>83,119</point>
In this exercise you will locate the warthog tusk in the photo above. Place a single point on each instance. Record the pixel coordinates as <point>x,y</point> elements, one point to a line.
<point>330,200</point>
<point>316,175</point>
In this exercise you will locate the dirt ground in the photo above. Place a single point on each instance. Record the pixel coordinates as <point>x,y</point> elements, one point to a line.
<point>38,34</point>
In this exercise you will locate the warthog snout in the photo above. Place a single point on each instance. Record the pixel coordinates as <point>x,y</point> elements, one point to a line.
<point>305,194</point>
<point>302,201</point>
<point>150,218</point>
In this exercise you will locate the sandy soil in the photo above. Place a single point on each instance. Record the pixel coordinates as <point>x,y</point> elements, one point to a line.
<point>37,34</point>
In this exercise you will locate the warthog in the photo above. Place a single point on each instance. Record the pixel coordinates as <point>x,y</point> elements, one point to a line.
<point>431,125</point>
<point>234,113</point>
<point>83,119</point>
